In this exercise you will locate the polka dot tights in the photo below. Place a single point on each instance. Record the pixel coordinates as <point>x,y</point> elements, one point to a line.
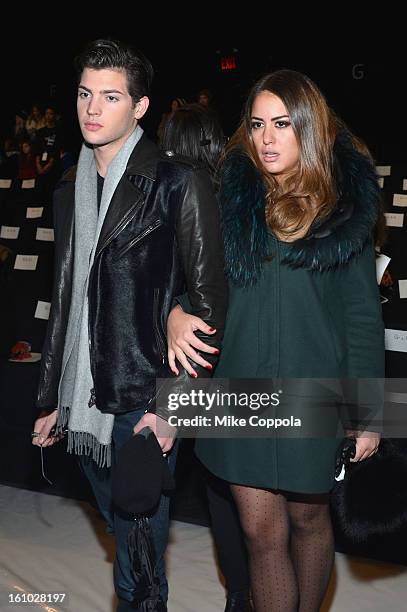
<point>291,548</point>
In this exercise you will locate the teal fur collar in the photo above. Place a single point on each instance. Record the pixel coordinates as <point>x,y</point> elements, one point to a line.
<point>329,243</point>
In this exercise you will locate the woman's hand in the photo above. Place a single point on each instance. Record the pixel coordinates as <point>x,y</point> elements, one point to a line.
<point>367,443</point>
<point>182,341</point>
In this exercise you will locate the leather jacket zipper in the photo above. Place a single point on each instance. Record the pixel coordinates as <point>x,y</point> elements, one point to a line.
<point>138,238</point>
<point>92,401</point>
<point>157,332</point>
<point>125,221</point>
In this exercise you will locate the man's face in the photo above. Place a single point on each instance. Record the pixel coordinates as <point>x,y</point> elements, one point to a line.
<point>203,99</point>
<point>50,117</point>
<point>105,109</point>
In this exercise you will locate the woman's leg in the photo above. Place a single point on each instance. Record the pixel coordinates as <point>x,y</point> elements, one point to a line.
<point>265,522</point>
<point>312,547</point>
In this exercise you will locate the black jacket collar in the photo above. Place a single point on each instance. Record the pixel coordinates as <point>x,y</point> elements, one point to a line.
<point>142,161</point>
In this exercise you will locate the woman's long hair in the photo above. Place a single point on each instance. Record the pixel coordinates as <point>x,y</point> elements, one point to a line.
<point>309,191</point>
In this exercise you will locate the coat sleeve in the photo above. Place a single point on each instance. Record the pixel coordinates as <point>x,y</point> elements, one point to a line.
<point>364,333</point>
<point>201,251</point>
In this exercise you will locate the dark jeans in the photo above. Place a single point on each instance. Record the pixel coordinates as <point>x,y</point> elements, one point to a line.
<point>120,524</point>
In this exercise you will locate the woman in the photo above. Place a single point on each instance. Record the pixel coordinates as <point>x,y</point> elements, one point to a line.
<point>35,121</point>
<point>193,132</point>
<point>299,204</point>
<point>196,133</point>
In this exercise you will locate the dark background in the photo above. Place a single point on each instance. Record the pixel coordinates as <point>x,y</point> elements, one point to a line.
<point>362,80</point>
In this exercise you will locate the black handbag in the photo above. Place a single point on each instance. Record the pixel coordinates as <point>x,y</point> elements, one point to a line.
<point>371,500</point>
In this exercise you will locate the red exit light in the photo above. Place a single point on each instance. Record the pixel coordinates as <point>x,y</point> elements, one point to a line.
<point>228,63</point>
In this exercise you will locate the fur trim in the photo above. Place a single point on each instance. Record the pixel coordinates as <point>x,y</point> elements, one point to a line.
<point>371,501</point>
<point>329,243</point>
<point>244,231</point>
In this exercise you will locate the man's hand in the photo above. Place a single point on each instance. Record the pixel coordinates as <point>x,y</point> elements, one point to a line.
<point>367,443</point>
<point>164,432</point>
<point>42,427</point>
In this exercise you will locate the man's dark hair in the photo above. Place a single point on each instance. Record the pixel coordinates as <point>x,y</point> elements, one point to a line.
<point>114,55</point>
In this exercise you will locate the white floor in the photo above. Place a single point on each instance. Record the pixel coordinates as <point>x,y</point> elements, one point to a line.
<point>50,544</point>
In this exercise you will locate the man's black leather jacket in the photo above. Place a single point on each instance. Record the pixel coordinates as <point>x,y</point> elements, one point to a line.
<point>160,238</point>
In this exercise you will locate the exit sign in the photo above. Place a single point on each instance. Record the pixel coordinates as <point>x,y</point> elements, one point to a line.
<point>228,63</point>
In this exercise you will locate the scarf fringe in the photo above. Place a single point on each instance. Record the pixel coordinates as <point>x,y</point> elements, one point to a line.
<point>84,443</point>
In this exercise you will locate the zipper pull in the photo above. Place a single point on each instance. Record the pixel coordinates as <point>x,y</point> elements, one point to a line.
<point>92,401</point>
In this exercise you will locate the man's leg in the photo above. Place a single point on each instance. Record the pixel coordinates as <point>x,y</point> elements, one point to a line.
<point>120,524</point>
<point>123,578</point>
<point>100,481</point>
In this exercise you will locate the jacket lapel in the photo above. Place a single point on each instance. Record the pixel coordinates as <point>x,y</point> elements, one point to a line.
<point>125,201</point>
<point>128,197</point>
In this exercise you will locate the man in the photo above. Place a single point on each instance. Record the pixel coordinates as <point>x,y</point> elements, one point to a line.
<point>133,228</point>
<point>47,146</point>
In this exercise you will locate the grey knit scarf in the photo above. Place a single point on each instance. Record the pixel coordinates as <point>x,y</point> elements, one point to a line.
<point>89,430</point>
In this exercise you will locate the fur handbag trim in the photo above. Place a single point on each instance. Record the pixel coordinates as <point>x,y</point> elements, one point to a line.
<point>372,498</point>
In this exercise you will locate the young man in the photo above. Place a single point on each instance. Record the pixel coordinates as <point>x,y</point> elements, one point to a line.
<point>133,228</point>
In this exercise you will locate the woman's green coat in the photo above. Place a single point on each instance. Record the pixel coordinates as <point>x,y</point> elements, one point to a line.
<point>312,311</point>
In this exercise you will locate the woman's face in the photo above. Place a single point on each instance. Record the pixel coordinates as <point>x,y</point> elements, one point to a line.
<point>273,135</point>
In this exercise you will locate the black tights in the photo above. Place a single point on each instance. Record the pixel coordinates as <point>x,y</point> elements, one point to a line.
<point>291,548</point>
